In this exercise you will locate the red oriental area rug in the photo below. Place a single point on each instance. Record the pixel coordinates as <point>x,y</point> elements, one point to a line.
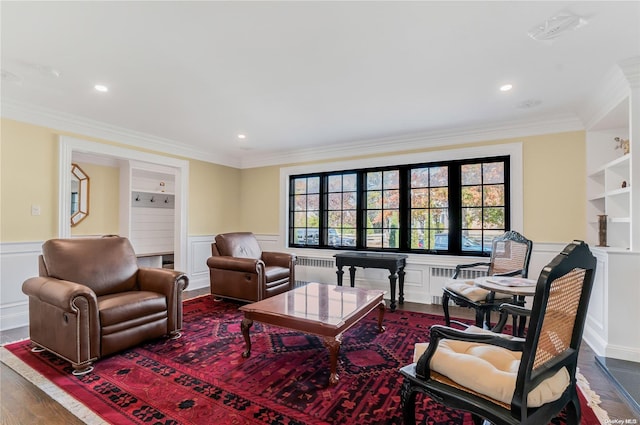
<point>201,378</point>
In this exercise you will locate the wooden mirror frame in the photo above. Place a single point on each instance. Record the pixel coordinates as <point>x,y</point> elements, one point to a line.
<point>82,211</point>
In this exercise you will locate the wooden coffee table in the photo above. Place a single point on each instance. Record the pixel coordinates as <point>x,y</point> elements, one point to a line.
<point>318,309</point>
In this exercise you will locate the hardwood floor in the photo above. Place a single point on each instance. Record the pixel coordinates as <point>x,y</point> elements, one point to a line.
<point>23,403</point>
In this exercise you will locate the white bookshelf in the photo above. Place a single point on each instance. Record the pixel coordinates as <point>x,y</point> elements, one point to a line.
<point>613,183</point>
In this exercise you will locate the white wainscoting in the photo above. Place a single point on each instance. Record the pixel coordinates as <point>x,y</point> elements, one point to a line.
<point>425,274</point>
<point>198,250</point>
<point>18,262</point>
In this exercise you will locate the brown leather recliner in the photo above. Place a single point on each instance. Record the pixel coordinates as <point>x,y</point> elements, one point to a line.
<point>92,300</point>
<point>240,270</point>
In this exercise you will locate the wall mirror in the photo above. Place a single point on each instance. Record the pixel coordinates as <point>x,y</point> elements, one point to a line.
<point>79,195</point>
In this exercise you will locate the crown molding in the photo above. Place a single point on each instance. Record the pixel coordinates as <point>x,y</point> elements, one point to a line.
<point>61,121</point>
<point>631,70</point>
<point>458,136</point>
<point>614,88</point>
<point>448,137</point>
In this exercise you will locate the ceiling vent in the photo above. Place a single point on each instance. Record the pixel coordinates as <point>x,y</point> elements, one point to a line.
<point>556,26</point>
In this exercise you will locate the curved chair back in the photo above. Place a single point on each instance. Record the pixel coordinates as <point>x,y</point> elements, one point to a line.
<point>510,252</point>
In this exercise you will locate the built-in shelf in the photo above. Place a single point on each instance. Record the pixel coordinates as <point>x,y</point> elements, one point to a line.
<point>155,192</point>
<point>612,189</point>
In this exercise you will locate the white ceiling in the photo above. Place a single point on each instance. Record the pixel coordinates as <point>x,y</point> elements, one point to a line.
<point>304,76</point>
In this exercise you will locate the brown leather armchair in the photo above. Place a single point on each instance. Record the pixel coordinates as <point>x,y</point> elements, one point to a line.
<point>240,270</point>
<point>92,300</point>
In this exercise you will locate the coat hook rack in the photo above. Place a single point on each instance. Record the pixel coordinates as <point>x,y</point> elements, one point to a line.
<point>152,200</point>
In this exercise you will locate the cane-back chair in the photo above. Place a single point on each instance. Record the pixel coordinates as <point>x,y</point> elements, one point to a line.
<point>510,256</point>
<point>509,380</point>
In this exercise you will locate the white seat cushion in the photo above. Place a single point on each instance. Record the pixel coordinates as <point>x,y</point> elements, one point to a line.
<point>469,290</point>
<point>489,370</point>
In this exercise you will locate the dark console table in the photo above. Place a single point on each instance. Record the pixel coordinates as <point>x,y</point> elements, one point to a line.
<point>395,263</point>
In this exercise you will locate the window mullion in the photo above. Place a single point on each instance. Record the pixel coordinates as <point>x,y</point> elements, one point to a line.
<point>405,210</point>
<point>455,207</point>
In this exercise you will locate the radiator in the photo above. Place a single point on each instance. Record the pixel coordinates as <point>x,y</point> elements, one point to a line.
<point>315,262</point>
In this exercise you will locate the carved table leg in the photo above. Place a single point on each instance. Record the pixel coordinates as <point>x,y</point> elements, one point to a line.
<point>333,344</point>
<point>245,326</point>
<point>339,273</point>
<point>381,309</point>
<point>401,274</point>
<point>352,276</point>
<point>393,278</point>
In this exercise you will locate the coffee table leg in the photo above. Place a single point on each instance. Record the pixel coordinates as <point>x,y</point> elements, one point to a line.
<point>333,344</point>
<point>381,309</point>
<point>245,326</point>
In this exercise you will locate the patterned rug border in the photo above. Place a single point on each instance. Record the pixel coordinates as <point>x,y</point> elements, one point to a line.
<point>65,399</point>
<point>89,417</point>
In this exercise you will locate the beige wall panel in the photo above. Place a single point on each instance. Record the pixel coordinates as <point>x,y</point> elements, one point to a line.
<point>260,201</point>
<point>214,198</point>
<point>555,187</point>
<point>29,177</point>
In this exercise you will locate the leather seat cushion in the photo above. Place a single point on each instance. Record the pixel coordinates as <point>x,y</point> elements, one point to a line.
<point>469,290</point>
<point>490,370</point>
<point>126,306</point>
<point>276,273</point>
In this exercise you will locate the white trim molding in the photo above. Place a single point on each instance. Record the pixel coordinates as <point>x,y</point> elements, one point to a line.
<point>179,167</point>
<point>38,115</point>
<point>513,150</point>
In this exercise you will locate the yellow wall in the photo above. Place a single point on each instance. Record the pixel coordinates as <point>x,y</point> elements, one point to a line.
<point>29,176</point>
<point>260,201</point>
<point>104,201</point>
<point>213,198</point>
<point>28,165</point>
<point>554,188</point>
<point>225,199</point>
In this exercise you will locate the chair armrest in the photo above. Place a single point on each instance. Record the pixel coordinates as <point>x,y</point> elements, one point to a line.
<point>438,332</point>
<point>281,259</point>
<point>163,281</point>
<point>507,309</point>
<point>467,266</point>
<point>170,283</point>
<point>247,265</point>
<point>59,293</point>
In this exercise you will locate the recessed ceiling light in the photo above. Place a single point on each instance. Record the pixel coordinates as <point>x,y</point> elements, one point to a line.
<point>506,87</point>
<point>242,136</point>
<point>528,104</point>
<point>101,88</point>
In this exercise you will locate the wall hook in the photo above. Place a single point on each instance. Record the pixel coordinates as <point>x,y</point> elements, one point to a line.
<point>166,200</point>
<point>137,198</point>
<point>152,200</point>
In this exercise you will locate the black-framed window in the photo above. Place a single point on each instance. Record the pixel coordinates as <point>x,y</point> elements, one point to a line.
<point>453,207</point>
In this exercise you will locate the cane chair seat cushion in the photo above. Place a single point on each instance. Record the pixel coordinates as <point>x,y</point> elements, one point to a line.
<point>489,370</point>
<point>469,290</point>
